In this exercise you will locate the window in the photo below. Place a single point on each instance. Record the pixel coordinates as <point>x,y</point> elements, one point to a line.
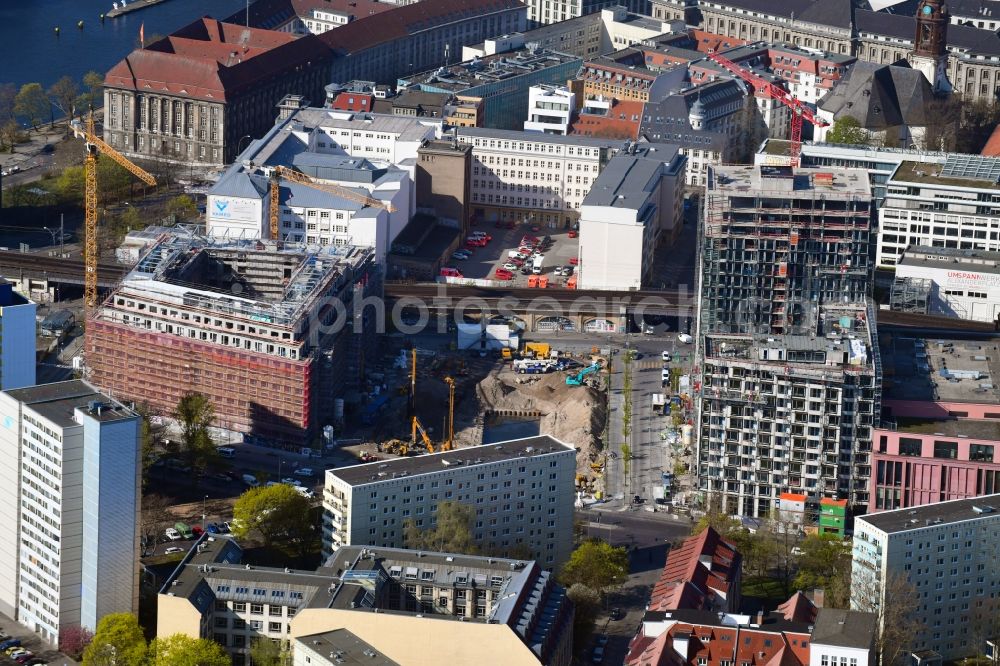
<point>239,624</point>
<point>256,609</point>
<point>945,449</point>
<point>274,627</point>
<point>909,446</point>
<point>981,452</point>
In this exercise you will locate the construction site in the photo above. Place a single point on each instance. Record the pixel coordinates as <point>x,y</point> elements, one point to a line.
<point>778,242</point>
<point>249,324</point>
<point>424,401</point>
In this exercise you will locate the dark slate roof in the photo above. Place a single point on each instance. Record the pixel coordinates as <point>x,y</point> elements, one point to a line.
<point>844,628</point>
<point>974,9</point>
<point>974,40</point>
<point>836,13</point>
<point>890,25</point>
<point>880,96</point>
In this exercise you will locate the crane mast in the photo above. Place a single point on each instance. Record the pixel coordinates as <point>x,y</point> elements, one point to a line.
<point>799,110</point>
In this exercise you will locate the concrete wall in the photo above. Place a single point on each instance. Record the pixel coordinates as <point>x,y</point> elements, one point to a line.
<point>941,410</point>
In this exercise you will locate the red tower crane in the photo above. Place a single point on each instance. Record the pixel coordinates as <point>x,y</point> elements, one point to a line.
<point>760,84</point>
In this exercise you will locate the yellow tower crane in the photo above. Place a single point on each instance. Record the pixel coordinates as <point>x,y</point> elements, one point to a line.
<point>94,146</point>
<point>279,172</point>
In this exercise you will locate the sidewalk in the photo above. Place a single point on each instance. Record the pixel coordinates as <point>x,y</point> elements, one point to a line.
<point>32,642</point>
<point>25,154</point>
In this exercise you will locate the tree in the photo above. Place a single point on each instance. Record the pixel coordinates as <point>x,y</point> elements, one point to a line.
<point>147,439</point>
<point>8,124</point>
<point>586,604</point>
<point>596,564</point>
<point>8,134</point>
<point>74,639</point>
<point>267,652</point>
<point>849,131</point>
<point>183,207</point>
<point>891,601</point>
<point>31,103</point>
<point>118,640</point>
<point>69,184</point>
<point>62,94</point>
<point>195,415</point>
<point>155,517</point>
<point>274,514</point>
<point>182,650</point>
<point>451,533</point>
<point>825,563</point>
<point>93,89</point>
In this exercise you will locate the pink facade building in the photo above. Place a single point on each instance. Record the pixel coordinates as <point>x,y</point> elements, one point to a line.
<point>939,457</point>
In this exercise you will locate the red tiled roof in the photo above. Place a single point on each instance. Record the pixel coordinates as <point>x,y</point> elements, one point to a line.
<point>717,644</point>
<point>684,565</point>
<point>351,101</point>
<point>709,42</point>
<point>798,608</point>
<point>992,147</point>
<point>369,31</point>
<point>622,122</point>
<point>210,60</point>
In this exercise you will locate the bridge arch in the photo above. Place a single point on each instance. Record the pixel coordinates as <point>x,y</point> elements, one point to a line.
<point>555,323</point>
<point>600,325</point>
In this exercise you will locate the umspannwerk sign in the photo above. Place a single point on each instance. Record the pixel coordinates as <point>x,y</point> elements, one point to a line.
<point>970,279</point>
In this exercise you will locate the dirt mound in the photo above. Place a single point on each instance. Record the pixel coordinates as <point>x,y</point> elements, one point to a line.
<point>572,414</point>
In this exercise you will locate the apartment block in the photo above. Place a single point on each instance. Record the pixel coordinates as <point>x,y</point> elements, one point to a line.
<point>948,553</point>
<point>69,499</point>
<point>356,185</point>
<point>550,109</point>
<point>633,207</point>
<point>791,413</point>
<point>940,434</point>
<point>17,338</point>
<point>952,205</point>
<point>531,176</point>
<point>258,329</point>
<point>502,81</point>
<point>521,490</point>
<point>779,242</point>
<point>385,605</point>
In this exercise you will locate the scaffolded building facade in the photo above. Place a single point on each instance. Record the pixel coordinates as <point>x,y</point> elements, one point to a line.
<point>253,326</point>
<point>790,372</point>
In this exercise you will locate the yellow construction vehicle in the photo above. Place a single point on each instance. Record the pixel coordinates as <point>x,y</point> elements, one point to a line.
<point>279,172</point>
<point>538,349</point>
<point>415,427</point>
<point>396,447</point>
<point>95,145</point>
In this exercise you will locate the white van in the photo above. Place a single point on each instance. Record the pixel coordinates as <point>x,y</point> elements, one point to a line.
<point>226,452</point>
<point>250,480</point>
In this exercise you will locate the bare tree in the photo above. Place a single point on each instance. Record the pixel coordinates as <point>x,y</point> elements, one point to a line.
<point>891,600</point>
<point>984,624</point>
<point>155,517</point>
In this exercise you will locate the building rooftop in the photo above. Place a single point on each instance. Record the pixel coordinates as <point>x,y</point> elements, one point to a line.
<point>629,176</point>
<point>950,258</point>
<point>785,181</point>
<point>844,628</point>
<point>343,647</point>
<point>59,401</point>
<point>955,369</point>
<point>483,71</point>
<point>210,60</point>
<point>971,171</point>
<point>386,470</point>
<point>941,513</point>
<point>537,137</point>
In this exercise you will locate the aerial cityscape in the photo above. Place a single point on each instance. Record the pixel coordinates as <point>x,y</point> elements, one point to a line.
<point>500,332</point>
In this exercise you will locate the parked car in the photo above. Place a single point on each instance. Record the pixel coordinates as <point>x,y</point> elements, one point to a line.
<point>685,338</point>
<point>304,472</point>
<point>250,480</point>
<point>666,356</point>
<point>461,256</point>
<point>449,271</point>
<point>197,530</point>
<point>211,528</point>
<point>574,261</point>
<point>481,234</point>
<point>173,550</point>
<point>305,492</point>
<point>510,266</point>
<point>9,643</point>
<point>597,656</point>
<point>503,274</point>
<point>172,534</point>
<point>223,528</point>
<point>573,234</point>
<point>601,640</point>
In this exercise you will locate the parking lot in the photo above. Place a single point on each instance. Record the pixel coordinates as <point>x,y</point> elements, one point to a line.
<point>484,261</point>
<point>42,654</point>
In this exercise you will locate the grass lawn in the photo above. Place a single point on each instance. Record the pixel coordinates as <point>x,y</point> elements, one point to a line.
<point>768,590</point>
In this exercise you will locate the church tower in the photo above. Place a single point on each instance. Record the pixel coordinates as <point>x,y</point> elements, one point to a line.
<point>930,46</point>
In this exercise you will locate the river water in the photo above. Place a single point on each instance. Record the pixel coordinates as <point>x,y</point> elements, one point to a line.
<point>31,51</point>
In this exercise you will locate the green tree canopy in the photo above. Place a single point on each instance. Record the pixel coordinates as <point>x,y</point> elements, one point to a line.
<point>31,103</point>
<point>195,414</point>
<point>451,533</point>
<point>825,562</point>
<point>275,514</point>
<point>182,650</point>
<point>586,604</point>
<point>93,84</point>
<point>183,207</point>
<point>596,564</point>
<point>266,652</point>
<point>847,130</point>
<point>118,640</point>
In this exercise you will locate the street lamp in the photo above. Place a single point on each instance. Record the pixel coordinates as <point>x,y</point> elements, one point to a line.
<point>239,143</point>
<point>203,500</point>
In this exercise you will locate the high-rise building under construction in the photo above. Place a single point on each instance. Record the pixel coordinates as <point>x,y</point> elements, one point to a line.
<point>788,353</point>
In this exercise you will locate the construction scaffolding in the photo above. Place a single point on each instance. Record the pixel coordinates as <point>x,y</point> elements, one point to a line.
<point>911,294</point>
<point>779,243</point>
